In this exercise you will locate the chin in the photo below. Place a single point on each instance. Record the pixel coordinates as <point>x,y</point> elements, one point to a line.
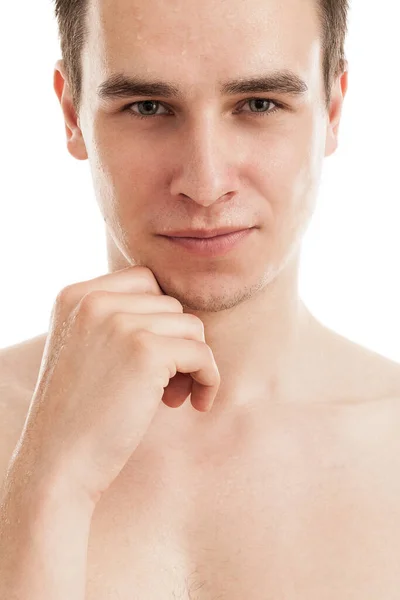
<point>208,292</point>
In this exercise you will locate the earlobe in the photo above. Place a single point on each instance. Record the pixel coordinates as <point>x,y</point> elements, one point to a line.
<point>331,143</point>
<point>75,142</point>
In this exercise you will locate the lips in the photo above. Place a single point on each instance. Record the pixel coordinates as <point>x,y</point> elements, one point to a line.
<point>205,233</point>
<point>219,245</point>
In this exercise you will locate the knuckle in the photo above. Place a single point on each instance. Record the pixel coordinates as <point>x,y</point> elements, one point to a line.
<point>174,303</point>
<point>143,345</point>
<point>119,323</point>
<point>66,296</point>
<point>91,305</point>
<point>147,274</point>
<point>142,338</point>
<point>196,323</point>
<point>211,358</point>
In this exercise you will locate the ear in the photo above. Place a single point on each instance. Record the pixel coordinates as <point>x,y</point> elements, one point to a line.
<point>335,111</point>
<point>75,142</point>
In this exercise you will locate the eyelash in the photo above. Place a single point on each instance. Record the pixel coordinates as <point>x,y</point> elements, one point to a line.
<point>278,106</point>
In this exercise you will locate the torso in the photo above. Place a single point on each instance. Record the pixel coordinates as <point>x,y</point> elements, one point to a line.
<point>306,509</point>
<point>302,503</point>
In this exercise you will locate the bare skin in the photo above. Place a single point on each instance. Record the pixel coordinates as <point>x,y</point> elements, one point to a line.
<point>302,503</point>
<point>289,487</point>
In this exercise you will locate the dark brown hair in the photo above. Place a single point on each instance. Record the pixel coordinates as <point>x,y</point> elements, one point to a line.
<point>71,16</point>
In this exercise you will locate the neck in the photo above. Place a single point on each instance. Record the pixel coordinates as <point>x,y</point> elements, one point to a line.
<point>262,339</point>
<point>261,345</point>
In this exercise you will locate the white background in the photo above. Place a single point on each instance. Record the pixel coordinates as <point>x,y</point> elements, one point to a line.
<point>51,230</point>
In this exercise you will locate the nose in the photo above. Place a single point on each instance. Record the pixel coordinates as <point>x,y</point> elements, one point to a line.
<point>205,171</point>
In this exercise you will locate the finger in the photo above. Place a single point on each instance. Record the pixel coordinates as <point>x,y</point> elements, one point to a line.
<point>133,280</point>
<point>178,390</point>
<point>196,358</point>
<point>100,304</point>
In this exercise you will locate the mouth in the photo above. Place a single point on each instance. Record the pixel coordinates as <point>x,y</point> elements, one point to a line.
<point>218,245</point>
<point>205,233</point>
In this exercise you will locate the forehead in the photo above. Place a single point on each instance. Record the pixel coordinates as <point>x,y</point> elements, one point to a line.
<point>197,42</point>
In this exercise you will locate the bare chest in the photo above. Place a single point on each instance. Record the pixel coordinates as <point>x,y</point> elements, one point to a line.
<point>290,519</point>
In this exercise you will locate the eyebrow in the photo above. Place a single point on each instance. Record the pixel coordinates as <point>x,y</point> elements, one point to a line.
<point>120,85</point>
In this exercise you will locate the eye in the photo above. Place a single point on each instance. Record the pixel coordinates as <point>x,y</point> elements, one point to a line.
<point>143,102</point>
<point>278,106</point>
<point>147,105</point>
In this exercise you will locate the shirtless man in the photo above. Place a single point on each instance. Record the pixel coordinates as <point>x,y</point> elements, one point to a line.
<point>119,480</point>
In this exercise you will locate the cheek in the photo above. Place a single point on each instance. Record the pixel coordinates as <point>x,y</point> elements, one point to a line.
<point>131,172</point>
<point>288,172</point>
<point>117,173</point>
<point>298,163</point>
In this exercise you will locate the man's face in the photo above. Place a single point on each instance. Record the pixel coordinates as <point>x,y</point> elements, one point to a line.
<point>209,158</point>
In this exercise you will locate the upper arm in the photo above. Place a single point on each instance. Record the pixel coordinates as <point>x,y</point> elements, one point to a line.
<point>13,411</point>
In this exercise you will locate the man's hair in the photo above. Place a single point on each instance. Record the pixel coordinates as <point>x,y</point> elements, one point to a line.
<point>71,16</point>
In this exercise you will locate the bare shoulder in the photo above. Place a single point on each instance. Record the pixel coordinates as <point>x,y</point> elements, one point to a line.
<point>20,363</point>
<point>19,368</point>
<point>352,372</point>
